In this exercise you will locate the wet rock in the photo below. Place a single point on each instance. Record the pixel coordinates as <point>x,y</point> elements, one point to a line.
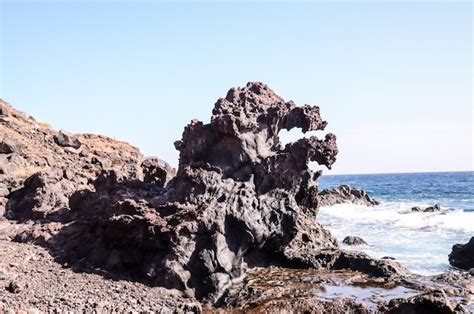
<point>384,268</point>
<point>65,139</point>
<point>430,302</point>
<point>429,209</point>
<point>157,171</point>
<point>462,256</point>
<point>351,240</point>
<point>345,194</point>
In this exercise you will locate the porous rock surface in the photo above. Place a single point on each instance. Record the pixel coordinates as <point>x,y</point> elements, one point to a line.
<point>345,194</point>
<point>238,200</point>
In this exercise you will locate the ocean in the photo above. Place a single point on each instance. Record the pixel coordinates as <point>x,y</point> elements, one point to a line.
<point>419,241</point>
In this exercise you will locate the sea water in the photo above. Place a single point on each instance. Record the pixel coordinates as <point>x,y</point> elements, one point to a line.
<point>420,241</point>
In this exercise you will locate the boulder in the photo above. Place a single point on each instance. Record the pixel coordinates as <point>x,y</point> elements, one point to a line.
<point>362,262</point>
<point>43,193</point>
<point>462,255</point>
<point>8,146</point>
<point>350,240</point>
<point>345,194</point>
<point>65,139</point>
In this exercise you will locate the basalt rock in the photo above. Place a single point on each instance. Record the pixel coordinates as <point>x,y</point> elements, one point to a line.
<point>235,202</point>
<point>43,194</point>
<point>157,171</point>
<point>435,302</point>
<point>345,194</point>
<point>462,256</point>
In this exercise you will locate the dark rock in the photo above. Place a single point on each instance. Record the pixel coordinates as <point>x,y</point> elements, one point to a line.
<point>103,163</point>
<point>350,240</point>
<point>462,256</point>
<point>42,194</point>
<point>64,139</point>
<point>345,194</point>
<point>157,171</point>
<point>431,302</point>
<point>231,205</point>
<point>374,267</point>
<point>13,287</point>
<point>429,209</point>
<point>8,146</point>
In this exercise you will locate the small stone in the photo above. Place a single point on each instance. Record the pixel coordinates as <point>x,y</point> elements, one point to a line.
<point>14,287</point>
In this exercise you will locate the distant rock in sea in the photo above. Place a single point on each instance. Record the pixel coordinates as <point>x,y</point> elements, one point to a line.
<point>345,194</point>
<point>352,240</point>
<point>429,209</point>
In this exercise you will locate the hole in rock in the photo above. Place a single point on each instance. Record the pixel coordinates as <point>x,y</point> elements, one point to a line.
<point>295,134</point>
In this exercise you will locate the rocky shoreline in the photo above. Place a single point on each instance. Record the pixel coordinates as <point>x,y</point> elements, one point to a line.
<point>232,229</point>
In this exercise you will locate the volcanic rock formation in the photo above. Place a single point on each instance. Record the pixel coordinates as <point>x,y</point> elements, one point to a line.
<point>238,200</point>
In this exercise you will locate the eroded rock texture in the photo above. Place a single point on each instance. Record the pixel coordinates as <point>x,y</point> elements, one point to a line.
<point>239,199</point>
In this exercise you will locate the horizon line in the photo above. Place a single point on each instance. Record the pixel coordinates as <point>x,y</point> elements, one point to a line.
<point>381,173</point>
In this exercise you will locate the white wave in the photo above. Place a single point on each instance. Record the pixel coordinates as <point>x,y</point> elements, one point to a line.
<point>420,241</point>
<point>400,215</point>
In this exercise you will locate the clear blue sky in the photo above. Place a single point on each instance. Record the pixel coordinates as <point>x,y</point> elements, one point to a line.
<point>394,80</point>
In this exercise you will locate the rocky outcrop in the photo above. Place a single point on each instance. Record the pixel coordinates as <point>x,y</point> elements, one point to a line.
<point>238,201</point>
<point>239,198</point>
<point>352,240</point>
<point>462,256</point>
<point>345,194</point>
<point>28,147</point>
